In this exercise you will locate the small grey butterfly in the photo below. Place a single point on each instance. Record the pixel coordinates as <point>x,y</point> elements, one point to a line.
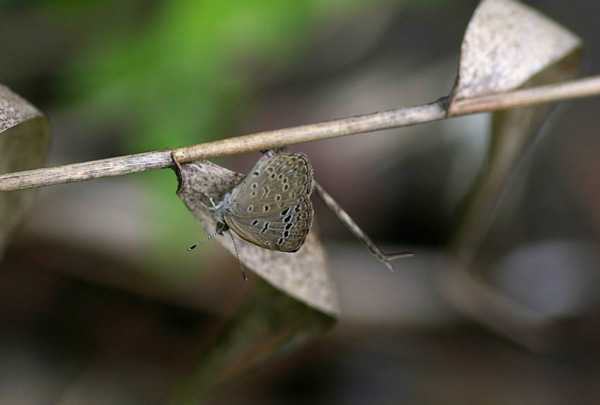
<point>271,206</point>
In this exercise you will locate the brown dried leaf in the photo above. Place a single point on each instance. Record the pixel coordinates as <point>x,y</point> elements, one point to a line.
<point>505,45</point>
<point>508,45</point>
<point>24,144</point>
<point>302,275</point>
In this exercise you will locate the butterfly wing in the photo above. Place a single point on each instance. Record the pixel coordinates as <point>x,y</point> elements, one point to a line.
<point>271,207</point>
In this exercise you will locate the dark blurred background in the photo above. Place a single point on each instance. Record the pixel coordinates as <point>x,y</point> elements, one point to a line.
<point>99,297</point>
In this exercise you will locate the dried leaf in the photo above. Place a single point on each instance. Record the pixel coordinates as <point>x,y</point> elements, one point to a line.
<point>24,144</point>
<point>303,275</point>
<point>505,45</point>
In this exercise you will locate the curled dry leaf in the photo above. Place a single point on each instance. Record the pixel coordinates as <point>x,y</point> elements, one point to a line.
<point>505,45</point>
<point>302,275</point>
<point>24,145</point>
<point>508,45</point>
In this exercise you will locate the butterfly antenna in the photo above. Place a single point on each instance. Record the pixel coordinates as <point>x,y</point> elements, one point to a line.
<point>238,257</point>
<point>203,240</point>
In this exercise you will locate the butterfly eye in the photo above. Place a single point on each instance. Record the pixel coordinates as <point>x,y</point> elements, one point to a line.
<point>221,227</point>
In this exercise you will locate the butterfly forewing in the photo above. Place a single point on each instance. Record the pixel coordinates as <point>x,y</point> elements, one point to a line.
<point>271,207</point>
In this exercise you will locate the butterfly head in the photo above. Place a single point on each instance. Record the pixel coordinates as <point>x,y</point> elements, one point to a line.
<point>221,227</point>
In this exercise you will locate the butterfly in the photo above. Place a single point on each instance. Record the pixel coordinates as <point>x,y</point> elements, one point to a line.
<point>271,206</point>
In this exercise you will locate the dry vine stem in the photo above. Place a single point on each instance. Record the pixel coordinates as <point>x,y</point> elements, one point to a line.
<point>437,110</point>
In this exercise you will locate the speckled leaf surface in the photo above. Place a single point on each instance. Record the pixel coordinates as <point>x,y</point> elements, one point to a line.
<point>507,43</point>
<point>24,144</point>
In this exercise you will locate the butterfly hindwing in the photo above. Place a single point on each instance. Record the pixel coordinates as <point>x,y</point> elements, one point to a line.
<point>271,207</point>
<point>285,230</point>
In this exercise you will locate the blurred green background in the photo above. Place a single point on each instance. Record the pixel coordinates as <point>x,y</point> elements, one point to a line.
<point>100,277</point>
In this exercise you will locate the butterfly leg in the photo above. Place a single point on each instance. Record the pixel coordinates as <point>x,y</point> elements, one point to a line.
<point>212,202</point>
<point>213,206</point>
<point>343,216</point>
<point>270,152</point>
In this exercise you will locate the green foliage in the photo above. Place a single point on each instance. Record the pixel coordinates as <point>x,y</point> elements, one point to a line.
<point>178,77</point>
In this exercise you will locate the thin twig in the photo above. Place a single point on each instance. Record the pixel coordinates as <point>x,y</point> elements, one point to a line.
<point>385,258</point>
<point>274,139</point>
<point>255,142</point>
<point>580,88</point>
<point>85,171</point>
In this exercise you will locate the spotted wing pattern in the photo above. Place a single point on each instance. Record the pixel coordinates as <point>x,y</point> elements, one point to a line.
<point>271,206</point>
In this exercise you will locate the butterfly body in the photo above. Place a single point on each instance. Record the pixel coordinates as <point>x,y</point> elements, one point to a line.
<point>271,206</point>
